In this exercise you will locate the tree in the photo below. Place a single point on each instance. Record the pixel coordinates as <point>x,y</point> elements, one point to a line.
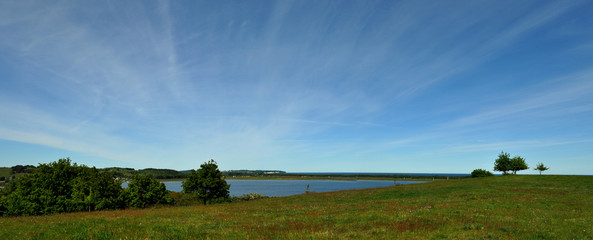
<point>540,167</point>
<point>144,191</point>
<point>518,164</point>
<point>503,163</point>
<point>481,173</point>
<point>207,183</point>
<point>60,187</point>
<point>96,190</point>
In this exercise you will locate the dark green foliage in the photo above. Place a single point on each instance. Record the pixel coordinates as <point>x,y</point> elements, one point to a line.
<point>60,187</point>
<point>481,173</point>
<point>128,173</point>
<point>503,163</point>
<point>162,173</point>
<point>121,173</point>
<point>96,190</point>
<point>144,191</point>
<point>518,164</point>
<point>22,169</point>
<point>541,167</point>
<point>207,184</point>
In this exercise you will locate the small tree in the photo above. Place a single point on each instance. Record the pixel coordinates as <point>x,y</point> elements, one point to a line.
<point>207,183</point>
<point>503,163</point>
<point>481,173</point>
<point>518,164</point>
<point>540,167</point>
<point>144,191</point>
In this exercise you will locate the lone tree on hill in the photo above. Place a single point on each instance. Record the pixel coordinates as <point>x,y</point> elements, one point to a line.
<point>207,183</point>
<point>504,163</point>
<point>518,164</point>
<point>540,167</point>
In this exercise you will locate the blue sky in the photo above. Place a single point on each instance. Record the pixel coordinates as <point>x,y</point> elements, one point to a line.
<point>344,86</point>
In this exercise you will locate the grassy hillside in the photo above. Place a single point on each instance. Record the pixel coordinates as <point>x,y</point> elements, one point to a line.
<point>5,171</point>
<point>510,207</point>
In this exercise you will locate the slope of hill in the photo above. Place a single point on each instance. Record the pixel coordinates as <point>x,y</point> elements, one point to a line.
<point>509,207</point>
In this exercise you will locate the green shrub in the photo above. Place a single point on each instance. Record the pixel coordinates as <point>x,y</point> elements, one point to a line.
<point>481,173</point>
<point>144,191</point>
<point>207,184</point>
<point>60,187</point>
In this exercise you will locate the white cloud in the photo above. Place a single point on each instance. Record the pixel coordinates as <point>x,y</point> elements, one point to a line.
<point>143,81</point>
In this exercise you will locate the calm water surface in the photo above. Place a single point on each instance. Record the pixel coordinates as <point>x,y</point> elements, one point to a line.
<point>279,188</point>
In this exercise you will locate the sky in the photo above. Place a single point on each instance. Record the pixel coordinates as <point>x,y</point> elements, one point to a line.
<point>301,86</point>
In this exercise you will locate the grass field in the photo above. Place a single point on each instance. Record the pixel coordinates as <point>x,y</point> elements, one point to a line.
<point>509,207</point>
<point>5,172</point>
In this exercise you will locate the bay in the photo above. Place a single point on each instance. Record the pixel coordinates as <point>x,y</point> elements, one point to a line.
<point>279,188</point>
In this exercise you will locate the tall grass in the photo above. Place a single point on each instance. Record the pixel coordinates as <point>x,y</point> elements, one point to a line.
<point>509,207</point>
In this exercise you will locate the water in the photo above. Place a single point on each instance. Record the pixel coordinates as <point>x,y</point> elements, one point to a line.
<point>279,188</point>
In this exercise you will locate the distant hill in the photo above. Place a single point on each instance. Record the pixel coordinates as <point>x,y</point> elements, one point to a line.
<point>128,173</point>
<point>242,173</point>
<point>7,173</point>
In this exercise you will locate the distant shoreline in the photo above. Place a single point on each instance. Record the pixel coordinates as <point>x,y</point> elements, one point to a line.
<point>339,177</point>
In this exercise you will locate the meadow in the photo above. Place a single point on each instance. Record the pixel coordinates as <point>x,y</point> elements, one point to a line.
<point>502,207</point>
<point>5,172</point>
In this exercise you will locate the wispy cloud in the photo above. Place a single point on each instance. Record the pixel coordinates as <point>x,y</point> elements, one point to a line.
<point>556,97</point>
<point>256,82</point>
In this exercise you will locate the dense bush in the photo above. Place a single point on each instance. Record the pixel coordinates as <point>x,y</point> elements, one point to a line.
<point>61,187</point>
<point>481,173</point>
<point>64,187</point>
<point>144,191</point>
<point>207,184</point>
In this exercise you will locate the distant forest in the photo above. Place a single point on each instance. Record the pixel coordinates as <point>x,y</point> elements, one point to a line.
<point>129,173</point>
<point>6,173</point>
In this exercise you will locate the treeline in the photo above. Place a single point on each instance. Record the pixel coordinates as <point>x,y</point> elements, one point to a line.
<point>129,173</point>
<point>61,186</point>
<point>252,173</point>
<point>22,169</point>
<point>121,173</point>
<point>14,171</point>
<point>64,187</point>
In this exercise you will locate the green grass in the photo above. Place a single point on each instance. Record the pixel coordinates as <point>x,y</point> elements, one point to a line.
<point>5,171</point>
<point>509,207</point>
<point>338,178</point>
